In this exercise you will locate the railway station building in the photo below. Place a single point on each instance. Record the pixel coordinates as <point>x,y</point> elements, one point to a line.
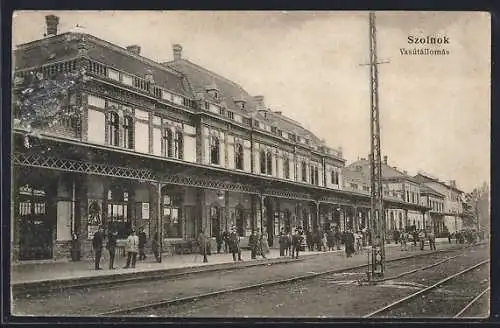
<point>171,148</point>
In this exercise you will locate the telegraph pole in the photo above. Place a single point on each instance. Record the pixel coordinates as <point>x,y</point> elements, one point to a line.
<point>377,206</point>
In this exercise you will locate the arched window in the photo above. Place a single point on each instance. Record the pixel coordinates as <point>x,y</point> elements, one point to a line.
<point>128,132</point>
<point>214,150</point>
<point>168,142</point>
<point>178,145</point>
<point>269,162</point>
<point>113,129</point>
<point>238,156</point>
<point>316,175</point>
<point>262,161</point>
<point>286,167</point>
<point>304,171</point>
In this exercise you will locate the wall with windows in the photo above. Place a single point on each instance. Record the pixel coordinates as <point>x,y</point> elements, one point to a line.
<point>140,130</point>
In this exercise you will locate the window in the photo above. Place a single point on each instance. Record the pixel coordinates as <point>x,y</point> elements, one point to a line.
<point>214,150</point>
<point>314,175</point>
<point>113,129</point>
<point>117,216</point>
<point>247,121</point>
<point>304,171</point>
<point>207,105</point>
<point>172,216</point>
<point>286,167</point>
<point>335,177</point>
<point>269,162</point>
<point>262,162</point>
<point>238,156</point>
<point>168,143</point>
<point>240,221</point>
<point>354,186</point>
<point>178,145</point>
<point>230,115</point>
<point>365,188</point>
<point>256,124</point>
<point>128,132</point>
<point>274,130</point>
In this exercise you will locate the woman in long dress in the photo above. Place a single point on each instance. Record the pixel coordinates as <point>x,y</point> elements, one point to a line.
<point>264,246</point>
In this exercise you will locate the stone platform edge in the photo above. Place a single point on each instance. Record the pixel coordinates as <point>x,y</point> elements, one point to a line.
<point>121,277</point>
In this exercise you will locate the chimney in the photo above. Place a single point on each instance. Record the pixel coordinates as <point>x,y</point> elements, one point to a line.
<point>453,183</point>
<point>177,49</point>
<point>52,21</point>
<point>259,101</point>
<point>405,172</point>
<point>385,159</point>
<point>135,49</point>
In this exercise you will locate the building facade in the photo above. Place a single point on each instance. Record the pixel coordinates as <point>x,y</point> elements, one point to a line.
<point>452,207</point>
<point>173,149</point>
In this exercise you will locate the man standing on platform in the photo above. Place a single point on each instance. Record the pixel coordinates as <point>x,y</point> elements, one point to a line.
<point>142,244</point>
<point>132,249</point>
<point>112,247</point>
<point>97,244</point>
<point>234,244</point>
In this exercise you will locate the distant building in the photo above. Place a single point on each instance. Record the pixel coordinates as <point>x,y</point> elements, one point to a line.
<point>452,209</point>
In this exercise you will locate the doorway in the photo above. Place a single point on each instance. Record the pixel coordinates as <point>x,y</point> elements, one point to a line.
<point>35,227</point>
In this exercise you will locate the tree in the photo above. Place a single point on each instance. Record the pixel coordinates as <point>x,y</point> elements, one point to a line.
<point>478,204</point>
<point>40,102</point>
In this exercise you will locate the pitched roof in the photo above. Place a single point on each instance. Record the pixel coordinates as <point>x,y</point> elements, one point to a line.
<point>115,56</point>
<point>422,178</point>
<point>65,46</point>
<point>387,171</point>
<point>425,189</point>
<point>202,78</point>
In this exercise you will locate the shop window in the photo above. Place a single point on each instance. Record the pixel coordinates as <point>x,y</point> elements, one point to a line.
<point>214,150</point>
<point>117,214</point>
<point>215,214</point>
<point>262,162</point>
<point>286,167</point>
<point>269,162</point>
<point>172,217</point>
<point>238,156</point>
<point>128,132</point>
<point>113,129</point>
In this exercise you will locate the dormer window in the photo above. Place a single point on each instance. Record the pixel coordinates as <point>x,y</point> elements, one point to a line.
<point>213,91</point>
<point>240,103</point>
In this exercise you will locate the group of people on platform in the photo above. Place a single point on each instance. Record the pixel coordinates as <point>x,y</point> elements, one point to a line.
<point>403,237</point>
<point>468,236</point>
<point>134,245</point>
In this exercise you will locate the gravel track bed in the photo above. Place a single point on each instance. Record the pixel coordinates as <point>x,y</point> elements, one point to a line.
<point>91,301</point>
<point>480,309</point>
<point>446,300</point>
<point>325,296</point>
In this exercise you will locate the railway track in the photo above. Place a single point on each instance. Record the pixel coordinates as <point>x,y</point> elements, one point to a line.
<point>177,301</point>
<point>383,311</point>
<point>462,313</point>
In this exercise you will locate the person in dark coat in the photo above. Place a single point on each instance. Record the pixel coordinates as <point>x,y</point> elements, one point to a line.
<point>309,240</point>
<point>111,246</point>
<point>338,238</point>
<point>142,244</point>
<point>97,244</point>
<point>349,243</point>
<point>283,242</point>
<point>252,243</point>
<point>204,242</point>
<point>219,240</point>
<point>155,247</point>
<point>297,239</point>
<point>227,242</point>
<point>234,244</point>
<point>330,239</point>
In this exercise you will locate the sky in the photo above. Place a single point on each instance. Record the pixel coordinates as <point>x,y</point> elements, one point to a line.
<point>434,110</point>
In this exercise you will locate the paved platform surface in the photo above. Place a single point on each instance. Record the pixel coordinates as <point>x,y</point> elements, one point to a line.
<point>27,273</point>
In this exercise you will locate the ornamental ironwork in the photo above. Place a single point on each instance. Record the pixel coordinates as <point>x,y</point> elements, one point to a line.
<point>68,165</point>
<point>193,181</point>
<point>287,194</point>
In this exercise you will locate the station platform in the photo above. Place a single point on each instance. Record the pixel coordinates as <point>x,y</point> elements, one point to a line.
<point>82,272</point>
